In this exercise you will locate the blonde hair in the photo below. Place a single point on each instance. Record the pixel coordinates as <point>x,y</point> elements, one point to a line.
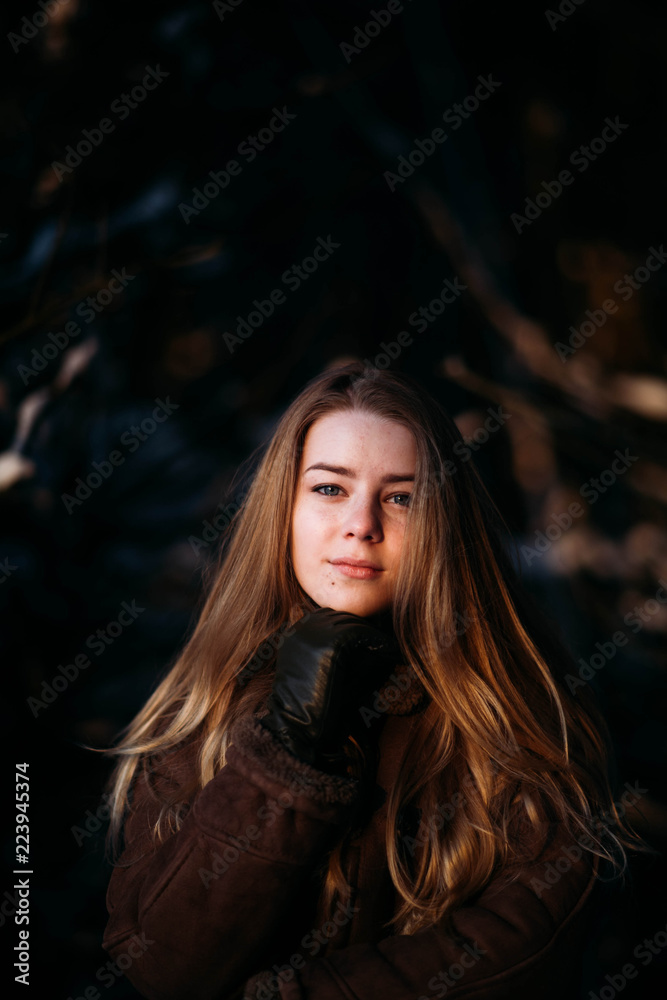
<point>500,721</point>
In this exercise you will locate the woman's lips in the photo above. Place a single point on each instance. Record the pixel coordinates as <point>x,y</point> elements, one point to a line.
<point>357,572</point>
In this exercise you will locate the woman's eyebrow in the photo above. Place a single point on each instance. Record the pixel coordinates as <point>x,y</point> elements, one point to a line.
<point>340,470</point>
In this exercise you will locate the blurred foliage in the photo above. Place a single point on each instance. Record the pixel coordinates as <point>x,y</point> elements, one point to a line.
<point>113,222</point>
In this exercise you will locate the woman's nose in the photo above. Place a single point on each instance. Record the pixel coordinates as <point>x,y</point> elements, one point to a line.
<point>362,520</point>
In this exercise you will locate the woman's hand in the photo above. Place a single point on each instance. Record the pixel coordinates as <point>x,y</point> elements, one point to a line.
<point>326,670</point>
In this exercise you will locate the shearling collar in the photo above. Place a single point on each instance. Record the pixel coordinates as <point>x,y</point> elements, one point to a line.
<point>401,694</point>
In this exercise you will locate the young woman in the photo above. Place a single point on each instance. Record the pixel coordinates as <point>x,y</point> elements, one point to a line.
<point>365,775</point>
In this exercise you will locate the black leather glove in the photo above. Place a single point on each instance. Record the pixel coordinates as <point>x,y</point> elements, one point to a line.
<point>326,670</point>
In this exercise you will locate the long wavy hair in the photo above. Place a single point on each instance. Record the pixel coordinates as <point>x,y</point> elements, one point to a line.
<point>500,720</point>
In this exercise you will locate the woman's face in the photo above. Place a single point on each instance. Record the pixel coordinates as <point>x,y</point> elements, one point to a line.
<point>351,507</point>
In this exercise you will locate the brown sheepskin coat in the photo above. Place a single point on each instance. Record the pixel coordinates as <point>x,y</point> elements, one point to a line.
<point>227,907</point>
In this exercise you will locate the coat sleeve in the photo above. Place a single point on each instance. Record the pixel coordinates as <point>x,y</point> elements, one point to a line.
<point>197,914</point>
<point>517,941</point>
<point>516,949</point>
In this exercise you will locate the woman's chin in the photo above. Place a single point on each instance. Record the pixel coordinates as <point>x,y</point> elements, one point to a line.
<point>364,609</point>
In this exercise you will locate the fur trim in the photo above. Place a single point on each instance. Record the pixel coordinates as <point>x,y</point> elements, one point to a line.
<point>251,990</point>
<point>402,693</point>
<point>257,743</point>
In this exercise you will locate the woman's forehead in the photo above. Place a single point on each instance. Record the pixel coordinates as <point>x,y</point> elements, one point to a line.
<point>342,436</point>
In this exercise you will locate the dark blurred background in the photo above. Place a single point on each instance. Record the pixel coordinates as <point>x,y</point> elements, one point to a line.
<point>131,390</point>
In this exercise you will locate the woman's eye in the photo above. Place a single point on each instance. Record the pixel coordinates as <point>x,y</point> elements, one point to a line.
<point>329,490</point>
<point>318,489</point>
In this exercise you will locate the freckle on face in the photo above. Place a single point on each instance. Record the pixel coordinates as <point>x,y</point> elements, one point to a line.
<point>359,518</point>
